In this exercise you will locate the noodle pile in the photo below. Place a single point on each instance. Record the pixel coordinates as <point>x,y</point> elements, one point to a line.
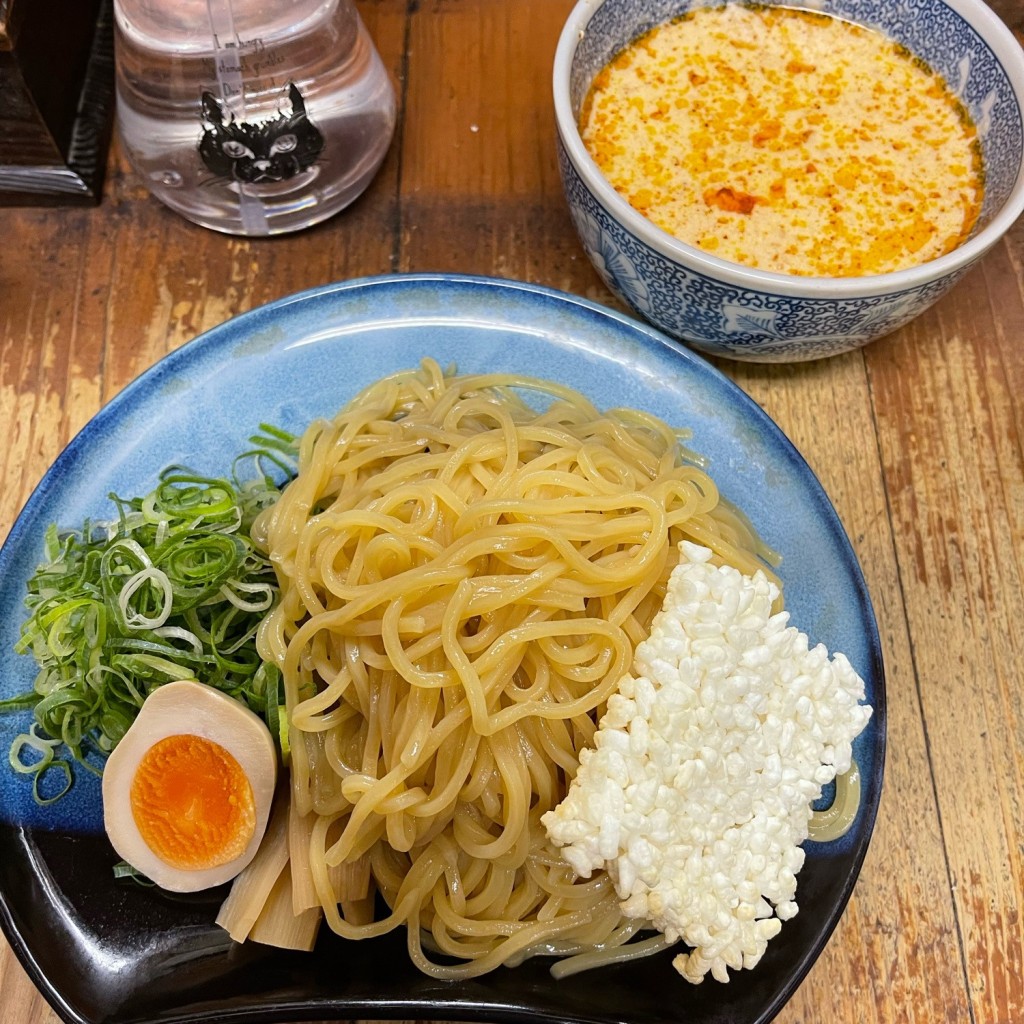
<point>463,582</point>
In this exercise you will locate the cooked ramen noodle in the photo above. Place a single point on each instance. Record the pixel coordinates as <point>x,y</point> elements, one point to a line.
<point>467,564</point>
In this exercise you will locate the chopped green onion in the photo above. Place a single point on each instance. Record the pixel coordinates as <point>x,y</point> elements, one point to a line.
<point>44,764</point>
<point>172,588</point>
<point>122,869</point>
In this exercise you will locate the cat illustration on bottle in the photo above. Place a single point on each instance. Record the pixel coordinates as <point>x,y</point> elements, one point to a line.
<point>259,152</point>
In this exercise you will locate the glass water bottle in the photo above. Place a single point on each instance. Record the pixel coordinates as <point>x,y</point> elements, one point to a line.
<point>253,117</point>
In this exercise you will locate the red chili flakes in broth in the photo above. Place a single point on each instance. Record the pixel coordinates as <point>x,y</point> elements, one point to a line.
<point>788,140</point>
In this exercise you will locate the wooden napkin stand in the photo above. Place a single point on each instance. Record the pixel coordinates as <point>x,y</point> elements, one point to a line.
<point>56,100</point>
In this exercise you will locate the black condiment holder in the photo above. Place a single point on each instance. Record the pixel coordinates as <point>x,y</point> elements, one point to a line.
<point>56,100</point>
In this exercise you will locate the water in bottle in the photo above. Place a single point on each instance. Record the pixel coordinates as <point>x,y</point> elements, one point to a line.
<point>252,117</point>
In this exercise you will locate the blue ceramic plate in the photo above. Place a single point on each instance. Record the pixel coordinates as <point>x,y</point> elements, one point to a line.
<point>106,951</point>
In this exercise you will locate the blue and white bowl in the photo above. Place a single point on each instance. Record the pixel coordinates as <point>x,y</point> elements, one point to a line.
<point>725,309</point>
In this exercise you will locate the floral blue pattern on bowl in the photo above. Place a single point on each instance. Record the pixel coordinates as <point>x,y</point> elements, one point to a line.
<point>724,309</point>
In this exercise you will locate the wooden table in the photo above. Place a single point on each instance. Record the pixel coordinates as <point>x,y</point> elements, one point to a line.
<point>918,439</point>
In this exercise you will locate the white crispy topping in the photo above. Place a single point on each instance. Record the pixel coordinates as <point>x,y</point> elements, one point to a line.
<point>698,792</point>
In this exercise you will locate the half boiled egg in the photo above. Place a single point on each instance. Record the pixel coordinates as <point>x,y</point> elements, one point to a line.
<point>187,791</point>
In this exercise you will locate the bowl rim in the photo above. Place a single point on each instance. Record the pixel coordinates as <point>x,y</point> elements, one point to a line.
<point>993,32</point>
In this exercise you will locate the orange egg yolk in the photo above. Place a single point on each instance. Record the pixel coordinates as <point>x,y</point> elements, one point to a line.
<point>192,803</point>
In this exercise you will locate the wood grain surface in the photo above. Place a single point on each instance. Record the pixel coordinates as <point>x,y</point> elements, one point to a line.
<point>918,439</point>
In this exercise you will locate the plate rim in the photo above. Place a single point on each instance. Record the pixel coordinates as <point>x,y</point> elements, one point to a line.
<point>222,335</point>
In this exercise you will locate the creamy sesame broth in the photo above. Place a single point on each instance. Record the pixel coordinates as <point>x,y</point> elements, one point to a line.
<point>787,140</point>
